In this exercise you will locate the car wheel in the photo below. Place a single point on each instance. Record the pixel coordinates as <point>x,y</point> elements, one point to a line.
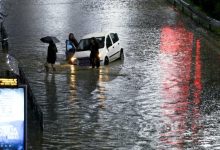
<point>121,55</point>
<point>106,62</point>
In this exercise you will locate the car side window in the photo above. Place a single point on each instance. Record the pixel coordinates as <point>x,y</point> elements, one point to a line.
<point>108,42</point>
<point>114,37</point>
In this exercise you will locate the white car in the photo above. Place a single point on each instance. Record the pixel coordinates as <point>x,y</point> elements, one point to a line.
<point>109,49</point>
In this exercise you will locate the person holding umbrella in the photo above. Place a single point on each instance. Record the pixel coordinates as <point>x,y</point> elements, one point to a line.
<point>51,51</point>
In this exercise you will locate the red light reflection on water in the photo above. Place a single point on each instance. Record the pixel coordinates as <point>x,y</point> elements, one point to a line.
<point>197,79</point>
<point>176,65</point>
<point>198,89</point>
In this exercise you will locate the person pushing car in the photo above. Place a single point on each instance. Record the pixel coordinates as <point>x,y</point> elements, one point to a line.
<point>94,55</point>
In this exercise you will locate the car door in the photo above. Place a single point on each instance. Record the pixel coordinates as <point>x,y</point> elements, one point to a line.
<point>115,46</point>
<point>109,47</point>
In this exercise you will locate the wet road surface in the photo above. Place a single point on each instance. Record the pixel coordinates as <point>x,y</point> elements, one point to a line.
<point>164,95</point>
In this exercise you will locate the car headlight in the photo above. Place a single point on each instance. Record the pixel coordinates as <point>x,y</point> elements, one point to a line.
<point>73,59</point>
<point>100,55</point>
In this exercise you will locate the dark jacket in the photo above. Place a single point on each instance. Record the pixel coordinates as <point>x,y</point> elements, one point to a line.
<point>94,51</point>
<point>51,53</point>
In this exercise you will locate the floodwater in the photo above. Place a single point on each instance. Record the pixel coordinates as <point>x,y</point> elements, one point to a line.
<point>165,94</point>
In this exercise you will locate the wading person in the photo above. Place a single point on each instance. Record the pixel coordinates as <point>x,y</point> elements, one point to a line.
<point>94,55</point>
<point>73,39</point>
<point>71,45</point>
<point>51,56</point>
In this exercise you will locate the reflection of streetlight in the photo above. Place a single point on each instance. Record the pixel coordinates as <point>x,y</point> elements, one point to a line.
<point>103,78</point>
<point>72,69</point>
<point>104,74</point>
<point>72,82</point>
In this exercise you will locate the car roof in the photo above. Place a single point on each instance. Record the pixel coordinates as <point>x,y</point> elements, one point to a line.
<point>96,34</point>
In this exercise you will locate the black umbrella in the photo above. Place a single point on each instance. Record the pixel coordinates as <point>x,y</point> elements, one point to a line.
<point>49,39</point>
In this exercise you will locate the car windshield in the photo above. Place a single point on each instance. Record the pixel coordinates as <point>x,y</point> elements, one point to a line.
<point>84,44</point>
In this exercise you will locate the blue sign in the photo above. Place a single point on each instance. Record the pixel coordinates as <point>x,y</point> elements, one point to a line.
<point>12,118</point>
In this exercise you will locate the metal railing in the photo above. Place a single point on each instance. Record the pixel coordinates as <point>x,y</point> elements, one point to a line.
<point>202,19</point>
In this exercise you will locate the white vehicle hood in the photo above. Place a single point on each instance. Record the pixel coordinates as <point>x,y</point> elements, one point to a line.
<point>81,54</point>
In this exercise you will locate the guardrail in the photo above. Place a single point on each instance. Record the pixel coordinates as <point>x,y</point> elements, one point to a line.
<point>33,103</point>
<point>202,19</point>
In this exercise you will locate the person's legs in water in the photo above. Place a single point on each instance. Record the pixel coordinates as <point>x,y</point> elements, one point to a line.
<point>52,65</point>
<point>97,63</point>
<point>92,61</point>
<point>46,67</point>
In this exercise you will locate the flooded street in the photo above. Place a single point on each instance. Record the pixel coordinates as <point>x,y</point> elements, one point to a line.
<point>165,94</point>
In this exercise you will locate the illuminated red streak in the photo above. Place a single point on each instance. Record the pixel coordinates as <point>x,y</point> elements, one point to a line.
<point>176,62</point>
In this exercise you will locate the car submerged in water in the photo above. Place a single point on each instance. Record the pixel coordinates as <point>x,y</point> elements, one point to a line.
<point>109,49</point>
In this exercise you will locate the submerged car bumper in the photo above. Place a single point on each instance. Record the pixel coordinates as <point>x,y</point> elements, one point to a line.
<point>85,61</point>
